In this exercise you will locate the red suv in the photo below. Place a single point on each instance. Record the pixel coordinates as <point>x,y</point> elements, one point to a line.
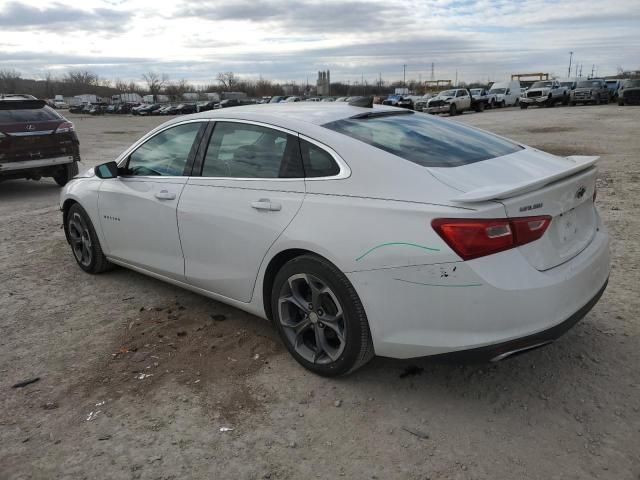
<point>36,141</point>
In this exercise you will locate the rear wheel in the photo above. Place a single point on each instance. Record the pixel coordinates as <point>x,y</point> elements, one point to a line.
<point>620,102</point>
<point>320,318</point>
<point>66,173</point>
<point>523,106</point>
<point>479,107</point>
<point>84,241</point>
<point>453,110</point>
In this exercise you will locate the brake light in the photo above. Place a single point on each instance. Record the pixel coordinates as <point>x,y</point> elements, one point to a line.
<point>473,238</point>
<point>65,127</point>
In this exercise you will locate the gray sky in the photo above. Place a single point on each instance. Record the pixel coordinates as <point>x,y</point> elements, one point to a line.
<point>292,40</point>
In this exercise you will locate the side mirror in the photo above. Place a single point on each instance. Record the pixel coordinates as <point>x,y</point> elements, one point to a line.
<point>107,170</point>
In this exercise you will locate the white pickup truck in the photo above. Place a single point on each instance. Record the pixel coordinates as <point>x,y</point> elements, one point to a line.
<point>453,102</point>
<point>547,93</point>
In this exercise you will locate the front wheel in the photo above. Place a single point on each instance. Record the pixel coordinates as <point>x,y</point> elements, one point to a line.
<point>84,241</point>
<point>66,173</point>
<point>320,318</point>
<point>453,110</point>
<point>523,106</point>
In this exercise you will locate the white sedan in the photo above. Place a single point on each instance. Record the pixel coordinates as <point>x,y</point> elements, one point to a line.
<point>357,231</point>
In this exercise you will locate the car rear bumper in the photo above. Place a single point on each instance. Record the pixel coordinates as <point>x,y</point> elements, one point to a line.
<point>34,164</point>
<point>490,302</point>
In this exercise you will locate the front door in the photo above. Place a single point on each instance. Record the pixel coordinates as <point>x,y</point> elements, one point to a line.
<point>138,209</point>
<point>252,185</point>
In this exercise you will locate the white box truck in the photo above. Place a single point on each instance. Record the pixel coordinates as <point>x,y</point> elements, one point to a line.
<point>507,93</point>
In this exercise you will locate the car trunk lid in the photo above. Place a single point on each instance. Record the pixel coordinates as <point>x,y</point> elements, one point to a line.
<point>532,183</point>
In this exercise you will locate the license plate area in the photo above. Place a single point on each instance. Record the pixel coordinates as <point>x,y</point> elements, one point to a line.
<point>568,227</point>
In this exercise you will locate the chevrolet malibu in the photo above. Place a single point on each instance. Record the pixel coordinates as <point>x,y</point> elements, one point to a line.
<point>357,231</point>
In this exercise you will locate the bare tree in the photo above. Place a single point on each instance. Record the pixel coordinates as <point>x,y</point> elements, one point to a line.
<point>9,80</point>
<point>227,80</point>
<point>120,85</point>
<point>83,78</point>
<point>155,82</point>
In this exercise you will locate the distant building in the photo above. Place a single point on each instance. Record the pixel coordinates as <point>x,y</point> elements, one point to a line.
<point>323,84</point>
<point>289,89</point>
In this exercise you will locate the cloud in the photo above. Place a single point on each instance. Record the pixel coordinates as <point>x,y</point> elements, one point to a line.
<point>59,17</point>
<point>303,15</point>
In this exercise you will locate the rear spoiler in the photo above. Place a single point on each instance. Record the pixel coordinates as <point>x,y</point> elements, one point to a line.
<point>7,104</point>
<point>497,192</point>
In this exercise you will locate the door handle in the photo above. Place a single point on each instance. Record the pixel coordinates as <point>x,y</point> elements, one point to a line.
<point>165,195</point>
<point>266,204</point>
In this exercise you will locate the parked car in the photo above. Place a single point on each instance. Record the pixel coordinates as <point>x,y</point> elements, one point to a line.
<point>78,108</point>
<point>292,99</point>
<point>60,104</point>
<point>475,243</point>
<point>36,141</point>
<point>328,99</point>
<point>421,103</point>
<point>392,100</point>
<point>453,102</point>
<point>407,101</point>
<point>506,93</point>
<point>98,109</point>
<point>186,108</point>
<point>614,85</point>
<point>569,83</point>
<point>278,99</point>
<point>483,95</point>
<point>205,106</point>
<point>341,99</point>
<point>229,102</point>
<point>148,110</point>
<point>590,91</point>
<point>629,93</point>
<point>547,93</point>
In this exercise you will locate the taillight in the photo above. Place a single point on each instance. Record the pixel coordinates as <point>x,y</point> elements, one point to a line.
<point>65,127</point>
<point>473,238</point>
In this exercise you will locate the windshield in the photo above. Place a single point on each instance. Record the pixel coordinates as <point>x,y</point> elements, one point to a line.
<point>566,84</point>
<point>447,93</point>
<point>588,84</point>
<point>476,91</point>
<point>498,91</point>
<point>422,139</point>
<point>542,85</point>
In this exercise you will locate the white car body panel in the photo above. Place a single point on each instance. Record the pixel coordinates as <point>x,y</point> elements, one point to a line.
<point>419,296</point>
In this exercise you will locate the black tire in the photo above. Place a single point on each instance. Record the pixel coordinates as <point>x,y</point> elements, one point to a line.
<point>66,173</point>
<point>453,110</point>
<point>358,346</point>
<point>523,106</point>
<point>565,100</point>
<point>479,107</point>
<point>98,263</point>
<point>572,104</point>
<point>620,102</point>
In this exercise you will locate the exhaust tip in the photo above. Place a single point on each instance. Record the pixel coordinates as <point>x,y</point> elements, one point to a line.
<point>518,351</point>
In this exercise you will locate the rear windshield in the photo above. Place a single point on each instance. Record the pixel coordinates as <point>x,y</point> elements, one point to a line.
<point>45,114</point>
<point>425,140</point>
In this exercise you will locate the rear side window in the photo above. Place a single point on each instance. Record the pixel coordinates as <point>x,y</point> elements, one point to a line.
<point>425,140</point>
<point>45,114</point>
<point>240,150</point>
<point>317,161</point>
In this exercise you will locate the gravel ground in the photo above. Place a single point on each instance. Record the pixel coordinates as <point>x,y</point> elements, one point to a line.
<point>138,377</point>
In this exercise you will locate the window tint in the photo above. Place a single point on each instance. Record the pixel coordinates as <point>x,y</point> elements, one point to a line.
<point>425,140</point>
<point>317,161</point>
<point>45,114</point>
<point>241,150</point>
<point>166,153</point>
<point>461,93</point>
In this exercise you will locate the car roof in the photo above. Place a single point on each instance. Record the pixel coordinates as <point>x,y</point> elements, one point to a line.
<point>314,113</point>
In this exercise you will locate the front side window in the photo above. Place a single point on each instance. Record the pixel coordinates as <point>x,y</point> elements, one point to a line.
<point>240,150</point>
<point>165,154</point>
<point>424,140</point>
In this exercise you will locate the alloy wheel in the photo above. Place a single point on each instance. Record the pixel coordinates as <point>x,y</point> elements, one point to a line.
<point>80,239</point>
<point>313,318</point>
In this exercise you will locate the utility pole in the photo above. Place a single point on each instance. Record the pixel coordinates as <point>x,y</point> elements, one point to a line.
<point>433,74</point>
<point>456,77</point>
<point>363,89</point>
<point>570,57</point>
<point>404,75</point>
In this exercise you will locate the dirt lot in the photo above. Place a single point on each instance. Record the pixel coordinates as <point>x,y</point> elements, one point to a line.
<point>137,377</point>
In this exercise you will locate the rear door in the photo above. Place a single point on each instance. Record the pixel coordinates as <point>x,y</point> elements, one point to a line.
<point>138,209</point>
<point>251,187</point>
